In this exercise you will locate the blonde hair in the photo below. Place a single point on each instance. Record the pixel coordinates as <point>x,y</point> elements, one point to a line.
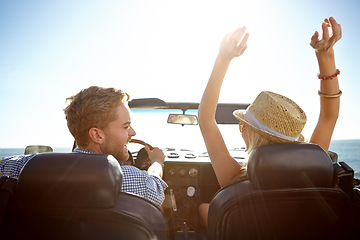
<point>92,107</point>
<point>256,140</point>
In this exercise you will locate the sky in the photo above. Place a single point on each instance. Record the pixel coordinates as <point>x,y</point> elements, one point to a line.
<point>50,50</point>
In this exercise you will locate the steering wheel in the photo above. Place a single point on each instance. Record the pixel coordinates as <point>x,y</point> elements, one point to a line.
<point>142,160</point>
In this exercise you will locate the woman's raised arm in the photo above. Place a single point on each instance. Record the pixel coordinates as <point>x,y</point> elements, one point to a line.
<point>329,86</point>
<point>225,167</point>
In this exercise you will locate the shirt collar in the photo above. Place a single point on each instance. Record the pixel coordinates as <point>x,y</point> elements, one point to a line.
<point>79,150</point>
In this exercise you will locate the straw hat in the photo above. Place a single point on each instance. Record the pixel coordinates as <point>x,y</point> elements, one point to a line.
<point>275,117</point>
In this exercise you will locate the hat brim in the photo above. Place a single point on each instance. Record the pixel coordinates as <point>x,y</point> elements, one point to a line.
<point>239,114</point>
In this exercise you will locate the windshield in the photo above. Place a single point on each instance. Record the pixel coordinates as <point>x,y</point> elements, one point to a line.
<point>151,126</point>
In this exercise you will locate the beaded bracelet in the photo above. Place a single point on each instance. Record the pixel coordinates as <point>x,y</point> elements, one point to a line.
<point>330,95</point>
<point>329,77</point>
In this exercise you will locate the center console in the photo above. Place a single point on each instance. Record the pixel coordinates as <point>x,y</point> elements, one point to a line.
<point>187,189</point>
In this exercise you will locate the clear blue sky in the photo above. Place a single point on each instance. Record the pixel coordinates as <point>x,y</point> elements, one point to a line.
<point>51,49</point>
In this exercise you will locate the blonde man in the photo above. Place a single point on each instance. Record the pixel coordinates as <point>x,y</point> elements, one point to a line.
<point>99,120</point>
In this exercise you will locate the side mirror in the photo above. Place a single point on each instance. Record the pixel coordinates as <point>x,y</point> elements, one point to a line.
<point>182,119</point>
<point>33,149</point>
<point>333,156</point>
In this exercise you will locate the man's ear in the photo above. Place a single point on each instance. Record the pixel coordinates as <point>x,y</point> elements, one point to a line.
<point>97,135</point>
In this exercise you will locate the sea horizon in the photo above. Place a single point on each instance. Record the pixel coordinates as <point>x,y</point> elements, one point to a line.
<point>348,151</point>
<point>67,147</point>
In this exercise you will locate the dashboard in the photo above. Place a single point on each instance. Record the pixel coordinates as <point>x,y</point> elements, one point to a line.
<point>191,181</point>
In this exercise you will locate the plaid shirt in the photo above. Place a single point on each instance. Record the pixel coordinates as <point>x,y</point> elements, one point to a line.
<point>12,166</point>
<point>135,181</point>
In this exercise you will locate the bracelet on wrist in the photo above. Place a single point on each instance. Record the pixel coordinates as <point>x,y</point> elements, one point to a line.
<point>330,95</point>
<point>329,77</point>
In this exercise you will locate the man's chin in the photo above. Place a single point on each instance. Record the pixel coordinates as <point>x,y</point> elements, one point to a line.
<point>122,157</point>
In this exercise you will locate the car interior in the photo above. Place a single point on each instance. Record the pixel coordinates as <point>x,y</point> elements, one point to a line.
<point>294,191</point>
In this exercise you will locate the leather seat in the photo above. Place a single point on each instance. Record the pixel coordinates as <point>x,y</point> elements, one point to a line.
<point>77,196</point>
<point>291,193</point>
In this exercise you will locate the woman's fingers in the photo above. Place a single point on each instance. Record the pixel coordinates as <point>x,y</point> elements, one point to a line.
<point>336,28</point>
<point>244,40</point>
<point>242,50</point>
<point>327,40</point>
<point>240,34</point>
<point>243,44</point>
<point>336,32</point>
<point>314,39</point>
<point>325,29</point>
<point>237,35</point>
<point>340,31</point>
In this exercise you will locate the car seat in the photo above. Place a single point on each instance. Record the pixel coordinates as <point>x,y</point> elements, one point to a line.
<point>291,193</point>
<point>77,196</point>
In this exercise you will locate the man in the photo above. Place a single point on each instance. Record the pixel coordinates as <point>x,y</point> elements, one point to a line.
<point>99,120</point>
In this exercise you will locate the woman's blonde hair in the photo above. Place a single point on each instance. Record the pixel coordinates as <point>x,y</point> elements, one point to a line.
<point>256,140</point>
<point>92,107</point>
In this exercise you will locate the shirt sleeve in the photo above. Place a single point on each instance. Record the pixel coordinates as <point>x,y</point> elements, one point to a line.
<point>13,165</point>
<point>141,183</point>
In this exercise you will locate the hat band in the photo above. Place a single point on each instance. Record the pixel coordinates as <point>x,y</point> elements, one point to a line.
<point>253,121</point>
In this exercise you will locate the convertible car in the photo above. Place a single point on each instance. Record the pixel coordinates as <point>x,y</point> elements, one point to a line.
<point>294,191</point>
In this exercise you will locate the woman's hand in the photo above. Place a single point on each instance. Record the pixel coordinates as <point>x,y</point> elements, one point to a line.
<point>231,46</point>
<point>327,42</point>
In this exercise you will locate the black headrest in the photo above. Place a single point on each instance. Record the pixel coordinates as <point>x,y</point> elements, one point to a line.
<point>70,180</point>
<point>296,165</point>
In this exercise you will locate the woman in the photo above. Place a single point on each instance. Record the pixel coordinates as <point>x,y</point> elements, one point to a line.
<point>261,123</point>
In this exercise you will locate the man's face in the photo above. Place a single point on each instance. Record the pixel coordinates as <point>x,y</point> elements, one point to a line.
<point>118,134</point>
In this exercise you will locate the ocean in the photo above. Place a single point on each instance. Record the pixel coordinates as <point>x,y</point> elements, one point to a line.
<point>348,151</point>
<point>4,152</point>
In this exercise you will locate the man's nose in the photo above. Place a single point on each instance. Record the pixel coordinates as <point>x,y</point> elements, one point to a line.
<point>132,132</point>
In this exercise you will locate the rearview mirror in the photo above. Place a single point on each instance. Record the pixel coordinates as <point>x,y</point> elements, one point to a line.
<point>34,149</point>
<point>183,119</point>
